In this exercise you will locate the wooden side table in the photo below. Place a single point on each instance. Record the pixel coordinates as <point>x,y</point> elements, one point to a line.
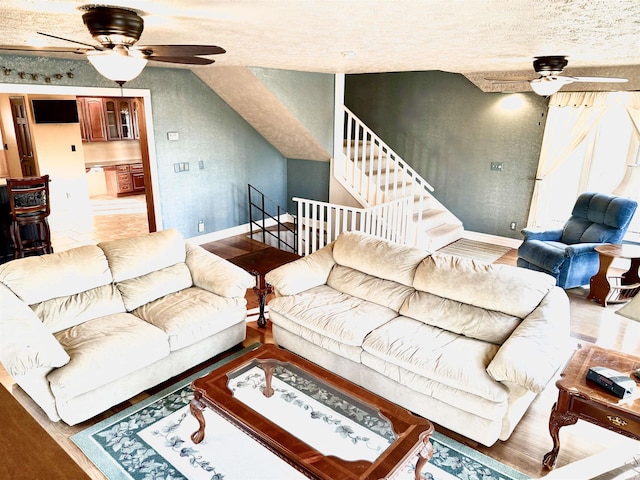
<point>259,264</point>
<point>585,400</point>
<point>601,289</point>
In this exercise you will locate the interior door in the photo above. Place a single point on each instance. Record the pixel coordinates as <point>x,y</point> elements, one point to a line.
<point>23,137</point>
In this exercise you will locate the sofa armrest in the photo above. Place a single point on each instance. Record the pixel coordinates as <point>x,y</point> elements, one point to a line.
<point>538,347</point>
<point>25,342</point>
<point>215,274</point>
<point>581,249</point>
<point>302,274</point>
<point>544,235</point>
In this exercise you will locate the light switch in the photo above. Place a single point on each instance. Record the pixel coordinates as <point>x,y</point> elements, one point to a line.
<point>173,136</point>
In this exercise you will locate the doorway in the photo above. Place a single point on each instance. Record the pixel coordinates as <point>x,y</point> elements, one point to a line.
<point>73,236</point>
<point>23,136</point>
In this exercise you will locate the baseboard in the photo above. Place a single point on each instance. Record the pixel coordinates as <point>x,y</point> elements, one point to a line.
<point>238,230</point>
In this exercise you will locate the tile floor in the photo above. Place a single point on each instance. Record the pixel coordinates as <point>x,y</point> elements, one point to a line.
<point>107,218</point>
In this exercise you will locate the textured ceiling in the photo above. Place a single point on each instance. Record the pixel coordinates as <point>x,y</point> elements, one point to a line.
<point>478,38</point>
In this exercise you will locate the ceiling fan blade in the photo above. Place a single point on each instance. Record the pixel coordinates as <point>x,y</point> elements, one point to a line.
<point>179,50</point>
<point>183,60</point>
<point>44,49</point>
<point>95,47</point>
<point>600,79</point>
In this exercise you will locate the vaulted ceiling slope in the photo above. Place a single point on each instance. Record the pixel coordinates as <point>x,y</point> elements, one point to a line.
<point>480,39</point>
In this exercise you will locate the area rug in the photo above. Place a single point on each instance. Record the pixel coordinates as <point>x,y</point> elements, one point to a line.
<point>480,251</point>
<point>151,440</point>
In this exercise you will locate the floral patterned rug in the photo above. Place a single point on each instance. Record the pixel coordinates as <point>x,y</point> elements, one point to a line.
<point>151,440</point>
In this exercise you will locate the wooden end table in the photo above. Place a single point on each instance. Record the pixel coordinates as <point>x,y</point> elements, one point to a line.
<point>601,288</point>
<point>585,400</point>
<point>407,435</point>
<point>259,264</point>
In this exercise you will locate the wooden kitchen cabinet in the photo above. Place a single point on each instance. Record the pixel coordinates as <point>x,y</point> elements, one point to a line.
<point>126,179</point>
<point>92,119</point>
<point>107,119</point>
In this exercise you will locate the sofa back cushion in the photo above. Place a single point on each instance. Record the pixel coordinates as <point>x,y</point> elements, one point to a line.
<point>66,288</point>
<point>148,267</point>
<point>504,288</point>
<point>377,257</point>
<point>373,289</point>
<point>475,299</point>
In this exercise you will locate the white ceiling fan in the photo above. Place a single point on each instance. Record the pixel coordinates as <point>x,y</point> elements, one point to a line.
<point>550,80</point>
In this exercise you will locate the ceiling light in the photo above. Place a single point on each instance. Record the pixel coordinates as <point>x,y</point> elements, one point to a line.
<point>117,64</point>
<point>545,86</point>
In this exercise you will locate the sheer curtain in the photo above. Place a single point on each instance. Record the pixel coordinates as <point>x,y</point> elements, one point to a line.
<point>589,139</point>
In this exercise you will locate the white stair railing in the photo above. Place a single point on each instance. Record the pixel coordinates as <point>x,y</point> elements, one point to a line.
<point>320,223</point>
<point>371,170</point>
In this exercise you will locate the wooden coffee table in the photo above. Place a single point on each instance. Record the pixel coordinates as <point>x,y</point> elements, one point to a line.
<point>278,397</point>
<point>585,400</point>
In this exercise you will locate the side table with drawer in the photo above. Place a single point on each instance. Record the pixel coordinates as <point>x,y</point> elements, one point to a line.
<point>579,399</point>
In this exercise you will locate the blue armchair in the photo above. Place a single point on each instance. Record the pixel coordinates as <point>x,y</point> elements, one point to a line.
<point>568,253</point>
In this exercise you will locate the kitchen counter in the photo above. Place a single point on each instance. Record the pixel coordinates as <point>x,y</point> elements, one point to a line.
<point>110,163</point>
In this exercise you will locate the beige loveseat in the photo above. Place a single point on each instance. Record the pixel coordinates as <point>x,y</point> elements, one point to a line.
<point>464,344</point>
<point>85,329</point>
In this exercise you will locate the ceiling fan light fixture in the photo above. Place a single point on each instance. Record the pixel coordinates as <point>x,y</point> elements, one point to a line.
<point>117,65</point>
<point>545,86</point>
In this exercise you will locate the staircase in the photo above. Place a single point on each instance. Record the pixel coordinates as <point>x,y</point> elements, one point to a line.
<point>375,175</point>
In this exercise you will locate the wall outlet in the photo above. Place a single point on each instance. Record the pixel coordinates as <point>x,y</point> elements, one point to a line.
<point>201,226</point>
<point>513,225</point>
<point>201,164</point>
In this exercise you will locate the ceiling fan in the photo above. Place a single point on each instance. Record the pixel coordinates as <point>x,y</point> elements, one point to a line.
<point>550,80</point>
<point>118,58</point>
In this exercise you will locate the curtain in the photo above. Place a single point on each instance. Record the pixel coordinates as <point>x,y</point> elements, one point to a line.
<point>572,116</point>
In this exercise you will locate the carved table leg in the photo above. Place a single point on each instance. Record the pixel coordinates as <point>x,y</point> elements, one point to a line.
<point>556,421</point>
<point>197,407</point>
<point>424,455</point>
<point>267,366</point>
<point>262,289</point>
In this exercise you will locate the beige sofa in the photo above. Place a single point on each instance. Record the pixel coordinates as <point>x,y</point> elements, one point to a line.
<point>85,329</point>
<point>462,343</point>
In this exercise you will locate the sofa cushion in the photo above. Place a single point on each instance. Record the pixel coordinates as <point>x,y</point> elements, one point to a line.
<point>474,322</point>
<point>193,314</point>
<point>103,350</point>
<point>63,312</point>
<point>146,288</point>
<point>377,257</point>
<point>450,359</point>
<point>39,278</point>
<point>483,285</point>
<point>333,314</point>
<point>136,256</point>
<point>358,284</point>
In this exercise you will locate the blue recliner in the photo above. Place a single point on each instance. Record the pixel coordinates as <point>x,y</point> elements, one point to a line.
<point>568,254</point>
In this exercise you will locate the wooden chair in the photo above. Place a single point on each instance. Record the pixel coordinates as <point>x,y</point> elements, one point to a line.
<point>29,203</point>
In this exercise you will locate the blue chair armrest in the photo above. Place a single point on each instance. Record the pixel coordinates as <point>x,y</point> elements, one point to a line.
<point>580,249</point>
<point>544,235</point>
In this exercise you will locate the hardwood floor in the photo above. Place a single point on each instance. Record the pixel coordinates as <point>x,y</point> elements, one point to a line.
<point>590,322</point>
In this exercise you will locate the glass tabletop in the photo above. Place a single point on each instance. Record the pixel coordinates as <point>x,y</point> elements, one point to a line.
<point>327,419</point>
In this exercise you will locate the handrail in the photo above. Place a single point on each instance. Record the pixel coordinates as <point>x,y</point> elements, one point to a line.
<point>261,222</point>
<point>320,223</point>
<point>386,174</point>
